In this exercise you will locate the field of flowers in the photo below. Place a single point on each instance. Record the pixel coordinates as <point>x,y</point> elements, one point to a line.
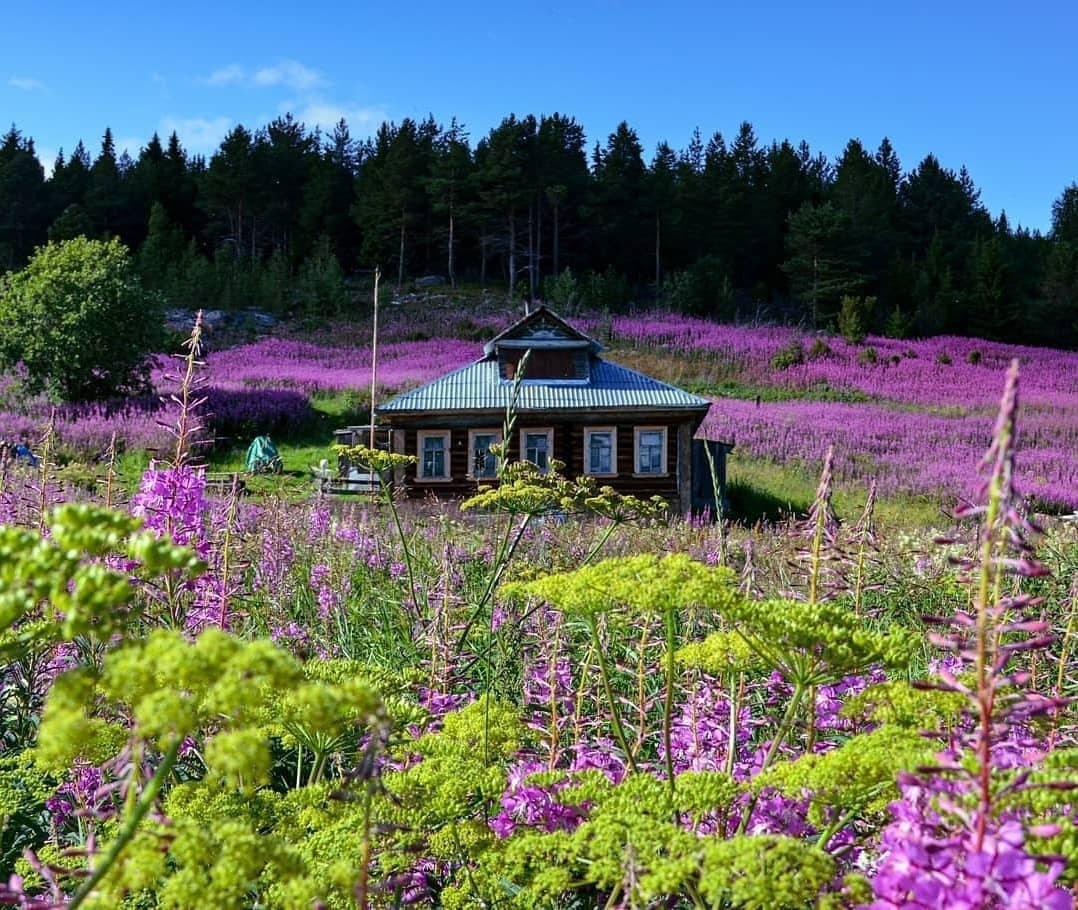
<point>907,415</point>
<point>549,696</point>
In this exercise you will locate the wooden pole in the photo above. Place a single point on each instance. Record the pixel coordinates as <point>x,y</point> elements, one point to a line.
<point>374,372</point>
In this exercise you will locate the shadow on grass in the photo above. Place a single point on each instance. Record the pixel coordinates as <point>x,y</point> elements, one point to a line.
<point>751,505</point>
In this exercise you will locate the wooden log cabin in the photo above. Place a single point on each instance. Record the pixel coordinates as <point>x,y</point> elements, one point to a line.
<point>626,430</point>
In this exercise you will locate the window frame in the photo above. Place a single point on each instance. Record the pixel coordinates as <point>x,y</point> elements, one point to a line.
<point>472,434</point>
<point>664,452</point>
<point>589,432</point>
<point>536,431</point>
<point>420,469</point>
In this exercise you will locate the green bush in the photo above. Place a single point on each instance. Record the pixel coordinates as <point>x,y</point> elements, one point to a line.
<point>79,321</point>
<point>854,317</point>
<point>791,355</point>
<point>898,324</point>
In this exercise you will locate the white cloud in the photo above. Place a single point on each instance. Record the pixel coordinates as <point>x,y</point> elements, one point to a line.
<point>26,85</point>
<point>130,144</point>
<point>198,135</point>
<point>361,121</point>
<point>47,157</point>
<point>233,74</point>
<point>305,100</point>
<point>291,74</point>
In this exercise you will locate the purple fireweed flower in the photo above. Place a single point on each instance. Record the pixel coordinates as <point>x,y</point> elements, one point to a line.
<point>78,792</point>
<point>774,813</point>
<point>700,731</point>
<point>172,502</point>
<point>602,755</point>
<point>293,632</point>
<point>927,862</point>
<point>414,887</point>
<point>272,570</point>
<point>441,703</point>
<point>319,524</point>
<point>527,804</point>
<point>65,656</point>
<point>547,680</point>
<point>831,698</point>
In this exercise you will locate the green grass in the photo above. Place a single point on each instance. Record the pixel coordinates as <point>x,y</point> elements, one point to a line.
<point>307,446</point>
<point>732,388</point>
<point>348,406</point>
<point>769,492</point>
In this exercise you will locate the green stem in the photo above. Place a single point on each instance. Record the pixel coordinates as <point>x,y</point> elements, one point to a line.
<point>602,542</point>
<point>612,900</point>
<point>989,583</point>
<point>608,689</point>
<point>776,741</point>
<point>817,548</point>
<point>841,821</point>
<point>130,826</point>
<point>731,723</point>
<point>1061,675</point>
<point>502,558</point>
<point>317,768</point>
<point>668,709</point>
<point>363,885</point>
<point>784,725</point>
<point>408,561</point>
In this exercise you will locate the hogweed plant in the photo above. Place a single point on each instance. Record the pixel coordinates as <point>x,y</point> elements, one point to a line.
<point>662,586</point>
<point>954,841</point>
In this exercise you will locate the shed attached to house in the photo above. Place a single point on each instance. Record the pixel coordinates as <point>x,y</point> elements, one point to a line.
<point>626,430</point>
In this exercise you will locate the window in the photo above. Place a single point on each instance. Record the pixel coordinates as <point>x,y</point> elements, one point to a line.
<point>482,463</point>
<point>433,456</point>
<point>600,451</point>
<point>651,450</point>
<point>536,446</point>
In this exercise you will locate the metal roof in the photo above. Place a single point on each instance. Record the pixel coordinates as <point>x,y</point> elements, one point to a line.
<point>479,387</point>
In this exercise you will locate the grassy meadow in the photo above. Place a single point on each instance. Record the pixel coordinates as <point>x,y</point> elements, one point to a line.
<point>854,691</point>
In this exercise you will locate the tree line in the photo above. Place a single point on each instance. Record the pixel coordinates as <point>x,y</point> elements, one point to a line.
<point>291,219</point>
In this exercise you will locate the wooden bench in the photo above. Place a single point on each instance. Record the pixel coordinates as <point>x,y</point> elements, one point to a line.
<point>224,482</point>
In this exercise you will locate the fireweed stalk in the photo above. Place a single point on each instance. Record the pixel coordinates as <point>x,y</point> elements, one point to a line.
<point>172,501</point>
<point>864,535</point>
<point>44,485</point>
<point>953,842</point>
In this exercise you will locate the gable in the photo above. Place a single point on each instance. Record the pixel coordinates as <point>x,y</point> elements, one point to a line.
<point>559,352</point>
<point>559,364</point>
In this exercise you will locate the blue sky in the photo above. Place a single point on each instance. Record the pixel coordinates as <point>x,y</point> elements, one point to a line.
<point>990,85</point>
